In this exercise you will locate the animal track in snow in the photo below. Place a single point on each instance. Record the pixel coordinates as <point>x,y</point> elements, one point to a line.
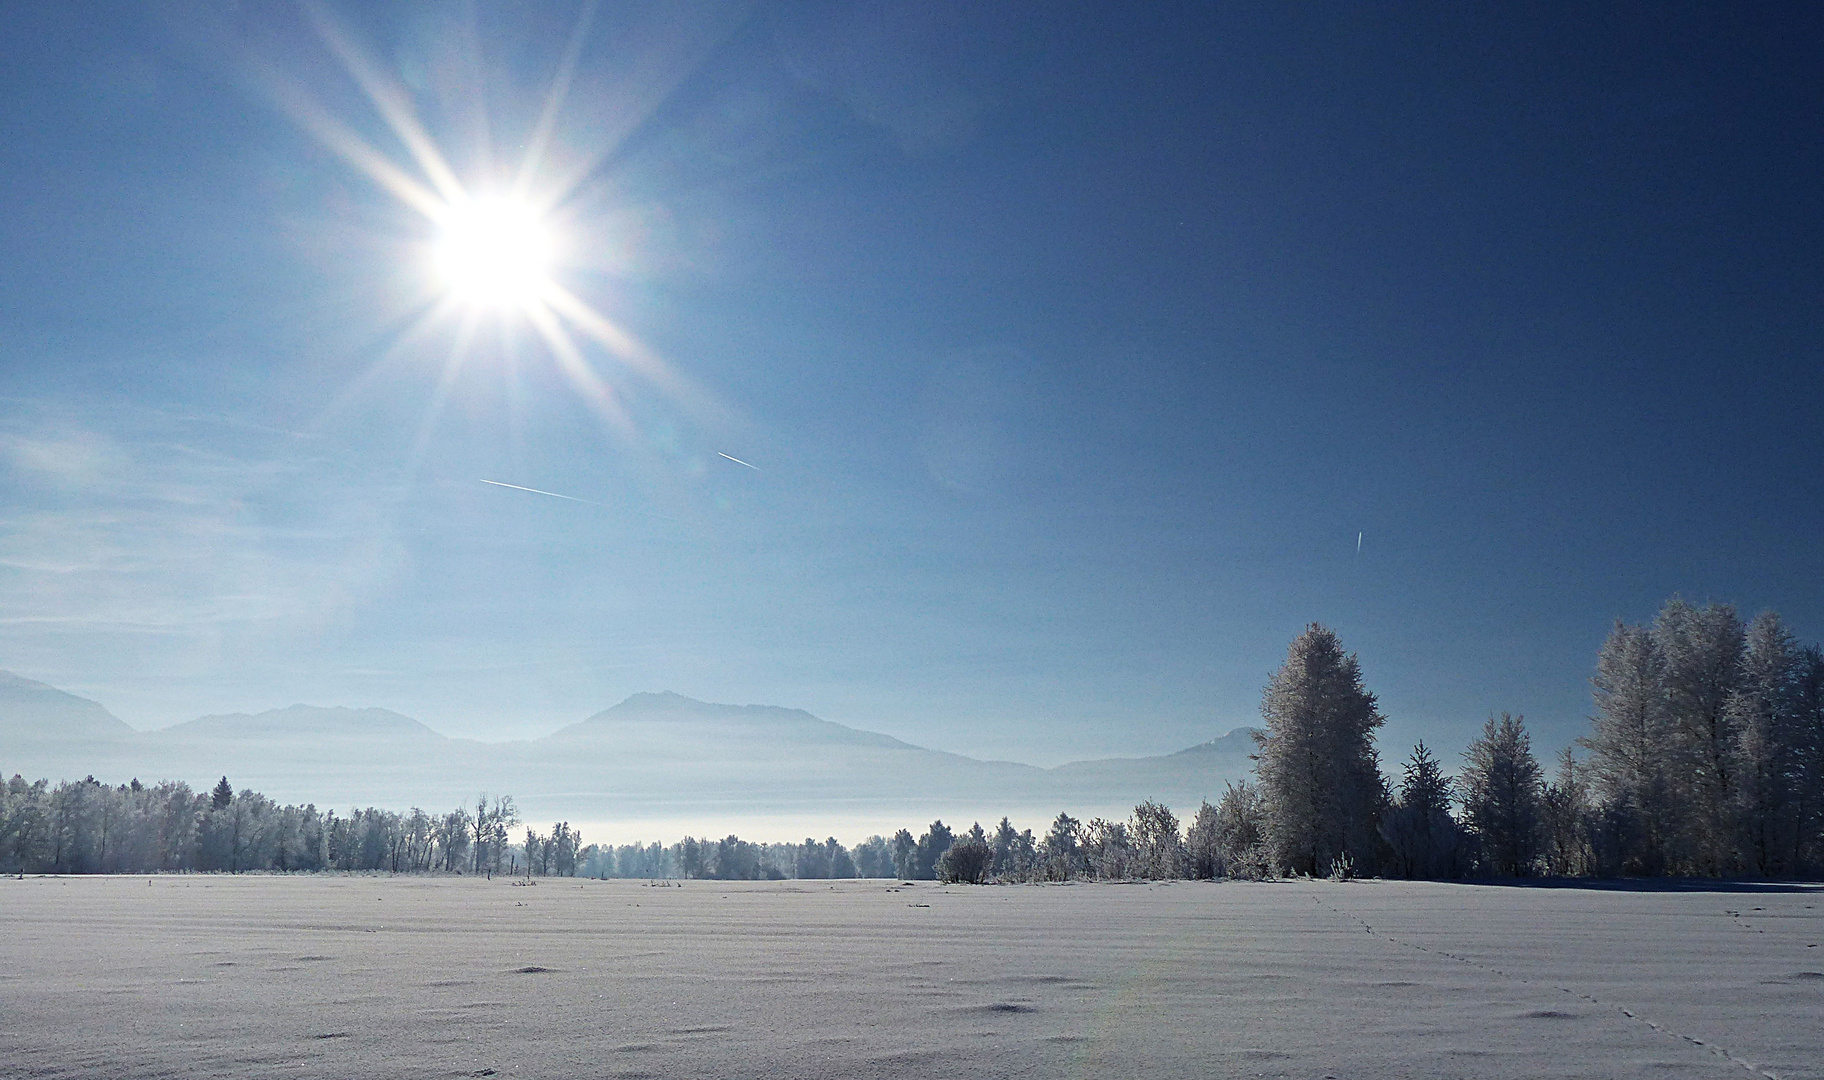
<point>1692,1040</point>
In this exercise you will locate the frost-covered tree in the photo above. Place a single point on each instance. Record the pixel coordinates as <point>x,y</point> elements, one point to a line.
<point>1203,858</point>
<point>967,861</point>
<point>905,854</point>
<point>690,858</point>
<point>1108,849</point>
<point>1061,852</point>
<point>841,863</point>
<point>453,838</point>
<point>1502,787</point>
<point>1808,751</point>
<point>1566,821</point>
<point>1320,777</point>
<point>734,859</point>
<point>873,859</point>
<point>931,847</point>
<point>1005,838</point>
<point>1158,845</point>
<point>1423,839</point>
<point>1241,832</point>
<point>1769,763</point>
<point>91,827</point>
<point>811,860</point>
<point>1632,749</point>
<point>1703,648</point>
<point>493,828</point>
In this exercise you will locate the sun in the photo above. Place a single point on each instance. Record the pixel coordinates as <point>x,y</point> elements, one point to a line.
<point>494,253</point>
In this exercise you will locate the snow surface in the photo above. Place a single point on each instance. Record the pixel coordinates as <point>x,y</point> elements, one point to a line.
<point>377,977</point>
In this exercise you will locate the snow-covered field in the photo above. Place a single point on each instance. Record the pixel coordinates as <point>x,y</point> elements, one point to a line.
<point>375,977</point>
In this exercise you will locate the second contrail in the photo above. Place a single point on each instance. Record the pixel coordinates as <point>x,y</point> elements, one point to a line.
<point>737,461</point>
<point>537,491</point>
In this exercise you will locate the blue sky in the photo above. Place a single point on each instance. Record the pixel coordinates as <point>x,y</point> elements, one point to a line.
<point>1073,351</point>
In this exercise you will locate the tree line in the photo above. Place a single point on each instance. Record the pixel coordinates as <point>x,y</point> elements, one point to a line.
<point>1705,757</point>
<point>1220,841</point>
<point>88,827</point>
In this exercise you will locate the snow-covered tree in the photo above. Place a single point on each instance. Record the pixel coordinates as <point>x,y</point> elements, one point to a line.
<point>905,854</point>
<point>1320,777</point>
<point>1502,788</point>
<point>1061,852</point>
<point>1203,858</point>
<point>1108,850</point>
<point>1632,750</point>
<point>931,847</point>
<point>967,860</point>
<point>1423,838</point>
<point>1808,750</point>
<point>1769,761</point>
<point>873,859</point>
<point>1703,648</point>
<point>1158,846</point>
<point>1566,821</point>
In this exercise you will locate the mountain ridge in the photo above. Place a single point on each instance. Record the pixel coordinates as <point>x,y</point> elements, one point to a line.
<point>651,755</point>
<point>295,720</point>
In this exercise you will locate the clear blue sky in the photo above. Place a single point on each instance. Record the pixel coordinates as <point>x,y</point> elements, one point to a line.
<point>1073,350</point>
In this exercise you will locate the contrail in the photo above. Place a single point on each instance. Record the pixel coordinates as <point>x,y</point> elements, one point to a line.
<point>737,461</point>
<point>536,491</point>
<point>1358,543</point>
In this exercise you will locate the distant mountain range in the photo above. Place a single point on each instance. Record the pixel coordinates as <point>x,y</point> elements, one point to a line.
<point>654,756</point>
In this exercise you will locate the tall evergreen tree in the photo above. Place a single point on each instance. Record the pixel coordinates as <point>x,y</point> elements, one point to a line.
<point>1422,837</point>
<point>1320,777</point>
<point>1006,844</point>
<point>1062,848</point>
<point>931,847</point>
<point>1502,788</point>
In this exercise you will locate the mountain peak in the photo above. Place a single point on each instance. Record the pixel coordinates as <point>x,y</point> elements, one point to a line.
<point>31,709</point>
<point>769,722</point>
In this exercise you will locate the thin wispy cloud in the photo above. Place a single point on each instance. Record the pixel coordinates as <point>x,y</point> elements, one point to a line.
<point>143,533</point>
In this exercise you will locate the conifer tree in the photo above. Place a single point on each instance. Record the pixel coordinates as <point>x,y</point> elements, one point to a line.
<point>1502,787</point>
<point>1006,843</point>
<point>1423,838</point>
<point>1320,778</point>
